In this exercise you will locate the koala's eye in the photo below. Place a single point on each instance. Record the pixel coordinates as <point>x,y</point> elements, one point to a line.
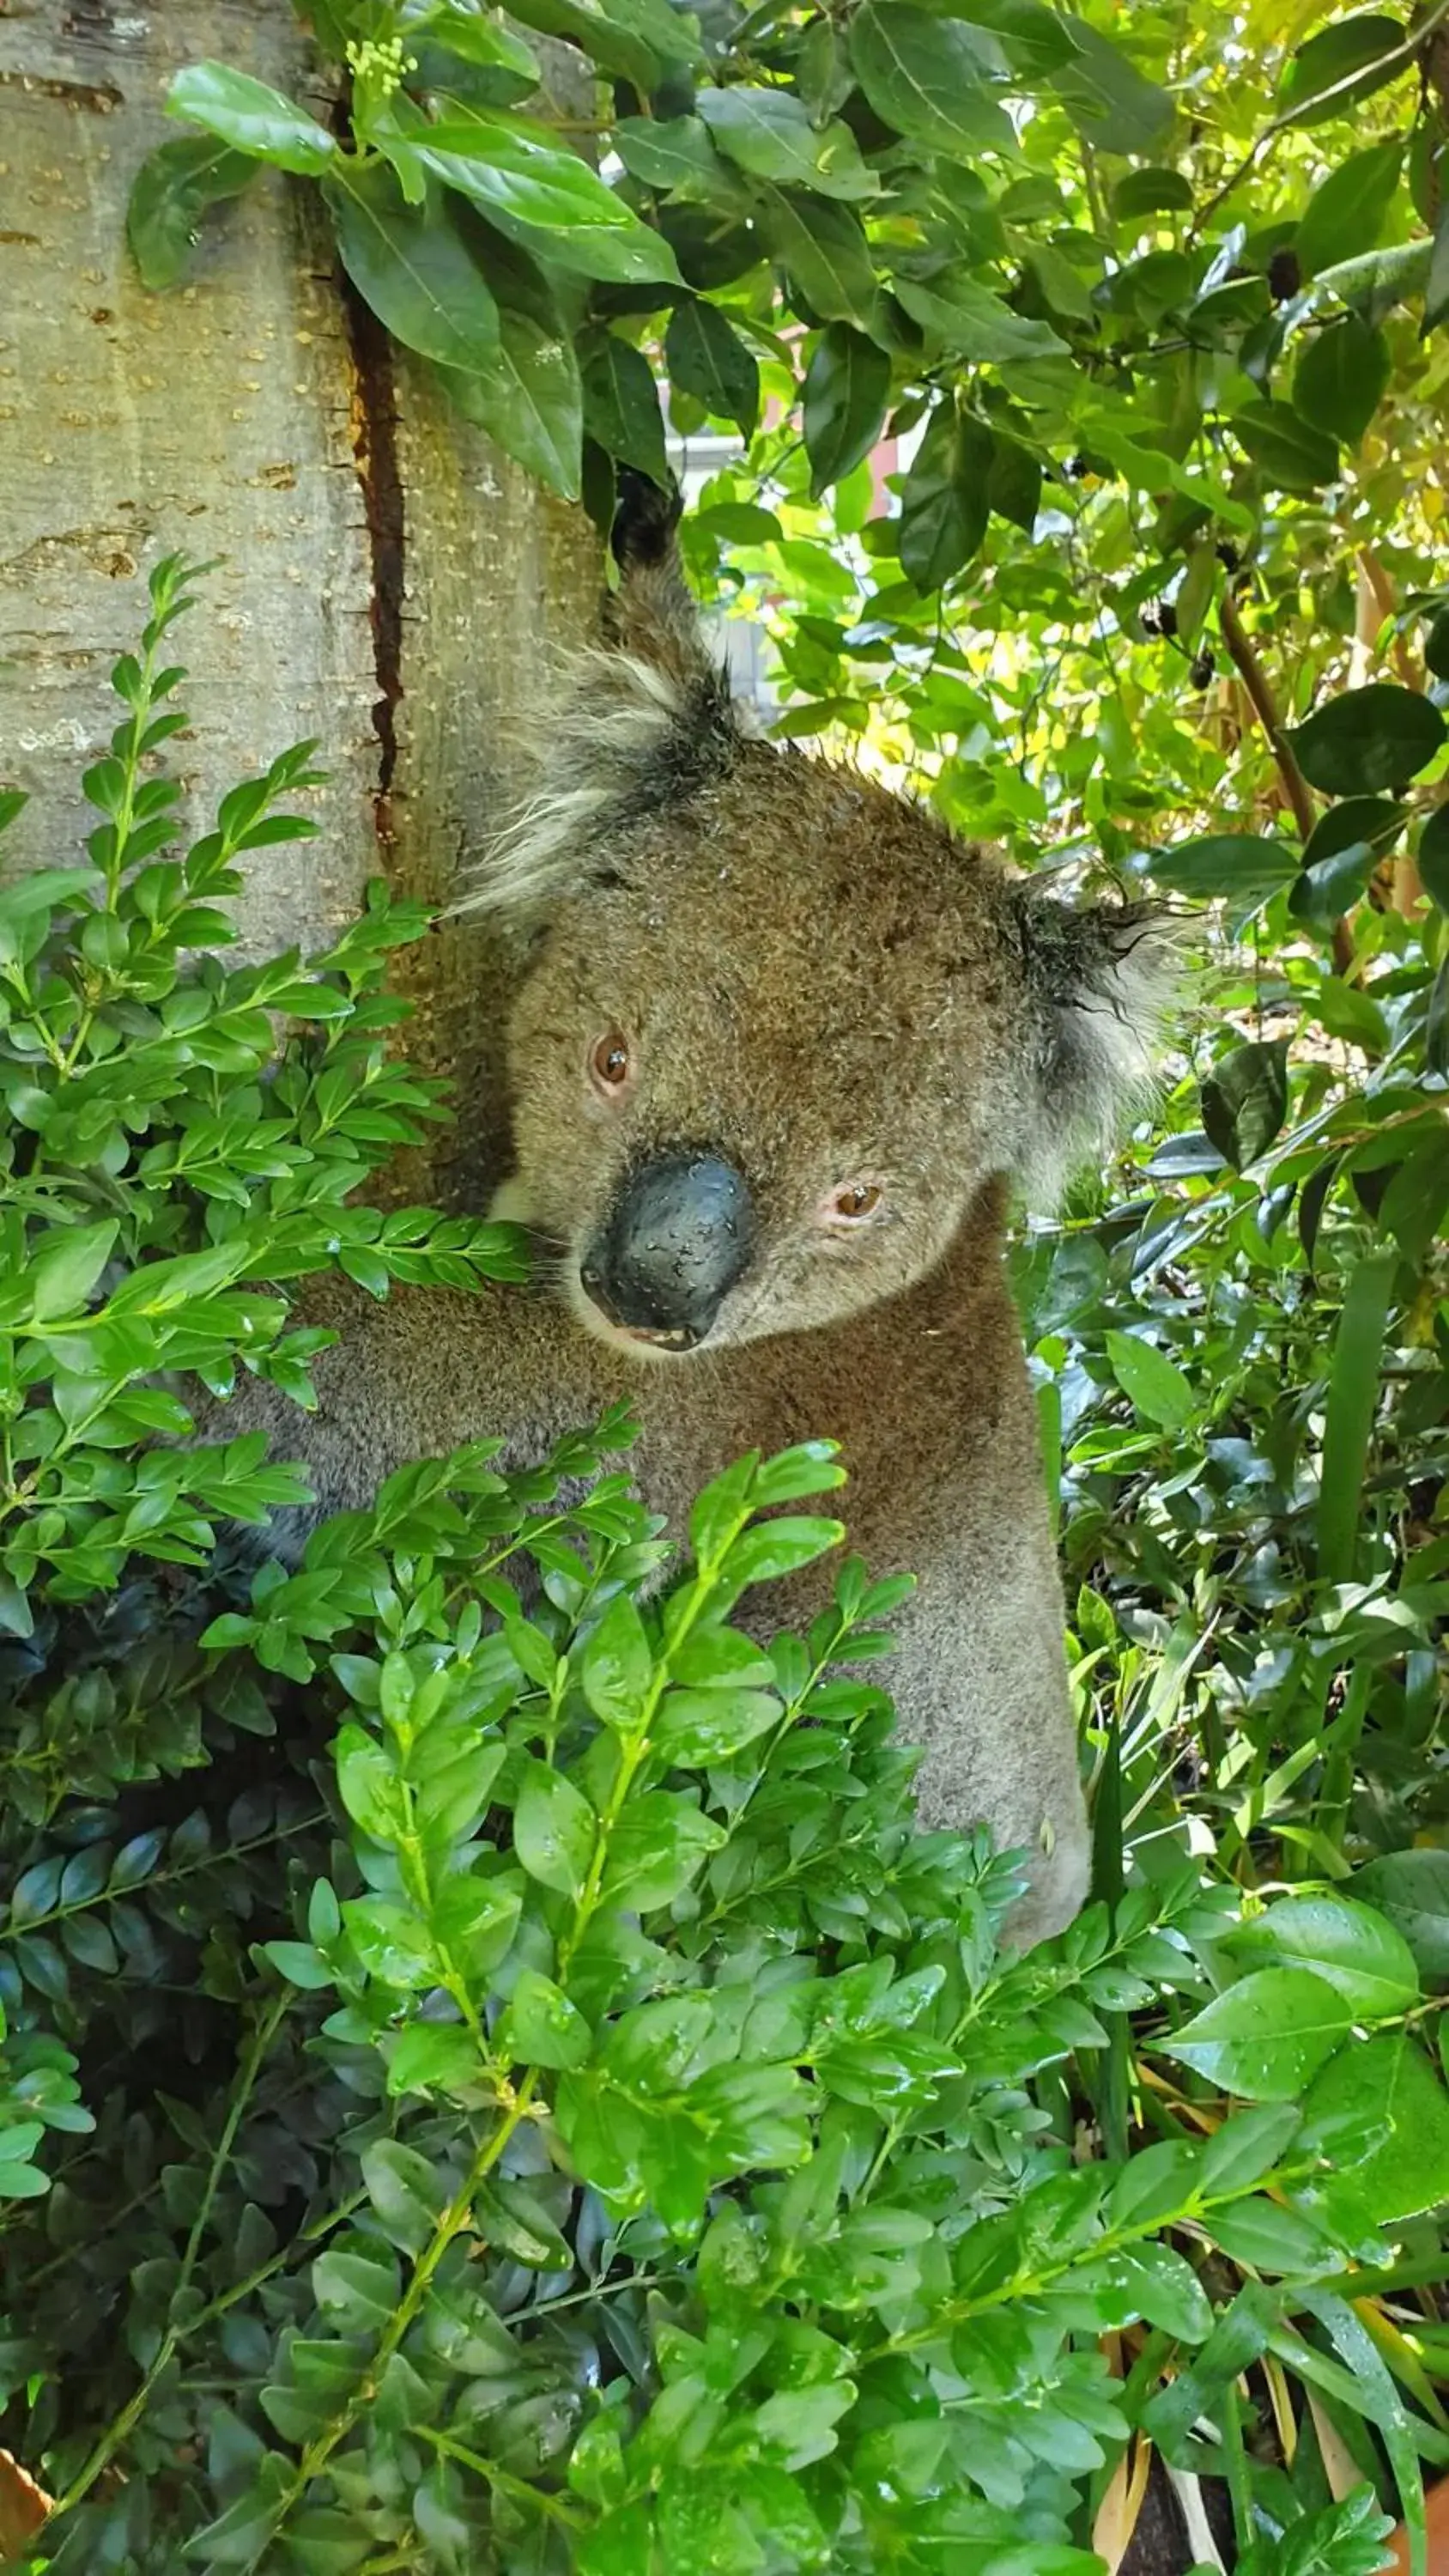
<point>609,1065</point>
<point>853,1202</point>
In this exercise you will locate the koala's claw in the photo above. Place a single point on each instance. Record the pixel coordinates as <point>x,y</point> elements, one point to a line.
<point>645,518</point>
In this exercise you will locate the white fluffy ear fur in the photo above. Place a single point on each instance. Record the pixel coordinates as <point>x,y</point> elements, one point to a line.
<point>1099,983</point>
<point>626,736</point>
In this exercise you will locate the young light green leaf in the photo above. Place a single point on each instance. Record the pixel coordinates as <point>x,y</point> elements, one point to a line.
<point>1155,1386</point>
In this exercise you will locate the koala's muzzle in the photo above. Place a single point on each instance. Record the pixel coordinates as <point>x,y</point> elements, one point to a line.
<point>678,1237</point>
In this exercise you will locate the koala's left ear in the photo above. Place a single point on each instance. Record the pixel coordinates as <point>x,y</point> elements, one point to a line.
<point>1098,980</point>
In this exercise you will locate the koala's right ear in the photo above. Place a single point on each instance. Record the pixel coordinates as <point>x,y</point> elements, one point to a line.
<point>647,720</point>
<point>1098,980</point>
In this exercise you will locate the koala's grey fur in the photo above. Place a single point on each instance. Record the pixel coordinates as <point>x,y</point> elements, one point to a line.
<point>818,983</point>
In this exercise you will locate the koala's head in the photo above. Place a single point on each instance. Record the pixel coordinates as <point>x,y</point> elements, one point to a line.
<point>776,1026</point>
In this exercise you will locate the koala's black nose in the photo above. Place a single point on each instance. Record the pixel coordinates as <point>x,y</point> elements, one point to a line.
<point>678,1237</point>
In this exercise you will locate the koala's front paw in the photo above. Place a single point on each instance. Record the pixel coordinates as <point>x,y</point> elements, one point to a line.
<point>1057,1893</point>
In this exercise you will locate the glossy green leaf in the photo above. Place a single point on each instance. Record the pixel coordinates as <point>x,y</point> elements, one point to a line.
<point>1368,740</point>
<point>1342,377</point>
<point>1412,1889</point>
<point>1151,191</point>
<point>413,267</point>
<point>847,386</point>
<point>621,406</point>
<point>529,397</point>
<point>1245,1099</point>
<point>1346,215</point>
<point>1267,2037</point>
<point>946,500</point>
<point>548,199</point>
<point>1342,65</point>
<point>822,246</point>
<point>1353,1390</point>
<point>968,319</point>
<point>252,118</point>
<point>554,1829</point>
<point>1407,2170</point>
<point>406,2190</point>
<point>672,153</point>
<point>923,75</point>
<point>1242,865</point>
<point>541,2027</point>
<point>169,197</point>
<point>1154,1385</point>
<point>703,1726</point>
<point>768,133</point>
<point>1357,1950</point>
<point>705,356</point>
<point>1292,454</point>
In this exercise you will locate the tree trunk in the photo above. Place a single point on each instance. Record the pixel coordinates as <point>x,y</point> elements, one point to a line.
<point>386,581</point>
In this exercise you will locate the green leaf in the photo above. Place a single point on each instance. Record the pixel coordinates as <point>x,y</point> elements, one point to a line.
<point>1246,2147</point>
<point>1266,2037</point>
<point>252,118</point>
<point>968,319</point>
<point>1332,886</point>
<point>1342,377</point>
<point>1108,99</point>
<point>393,1944</point>
<point>1293,455</point>
<point>1412,1889</point>
<point>1354,1948</point>
<point>511,2215</point>
<point>617,1666</point>
<point>67,1268</point>
<point>674,153</point>
<point>1013,483</point>
<point>1153,1384</point>
<point>1374,819</point>
<point>550,200</point>
<point>1433,856</point>
<point>412,266</point>
<point>822,246</point>
<point>13,800</point>
<point>541,2027</point>
<point>1236,864</point>
<point>946,501</point>
<point>371,1791</point>
<point>407,2192</point>
<point>1436,284</point>
<point>1353,1392</point>
<point>847,386</point>
<point>923,75</point>
<point>359,2290</point>
<point>621,404</point>
<point>636,38</point>
<point>781,1546</point>
<point>169,195</point>
<point>1329,75</point>
<point>705,356</point>
<point>768,133</point>
<point>1245,1100</point>
<point>1151,191</point>
<point>476,37</point>
<point>1345,216</point>
<point>1408,2170</point>
<point>1367,740</point>
<point>657,1849</point>
<point>554,1829</point>
<point>428,2054</point>
<point>529,397</point>
<point>1166,2291</point>
<point>703,1726</point>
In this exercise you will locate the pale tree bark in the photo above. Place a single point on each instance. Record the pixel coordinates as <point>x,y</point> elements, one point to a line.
<point>387,581</point>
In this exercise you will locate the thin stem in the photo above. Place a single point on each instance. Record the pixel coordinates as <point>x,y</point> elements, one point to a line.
<point>123,2425</point>
<point>1265,706</point>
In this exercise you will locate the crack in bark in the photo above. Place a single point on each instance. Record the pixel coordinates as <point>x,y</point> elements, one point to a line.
<point>374,446</point>
<point>92,98</point>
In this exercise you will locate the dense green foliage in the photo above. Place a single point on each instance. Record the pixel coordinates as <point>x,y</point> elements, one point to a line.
<point>635,2149</point>
<point>636,2153</point>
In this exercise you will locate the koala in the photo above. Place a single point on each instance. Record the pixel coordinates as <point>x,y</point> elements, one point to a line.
<point>775,1050</point>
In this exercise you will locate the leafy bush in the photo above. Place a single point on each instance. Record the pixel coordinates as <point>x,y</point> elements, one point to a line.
<point>493,2075</point>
